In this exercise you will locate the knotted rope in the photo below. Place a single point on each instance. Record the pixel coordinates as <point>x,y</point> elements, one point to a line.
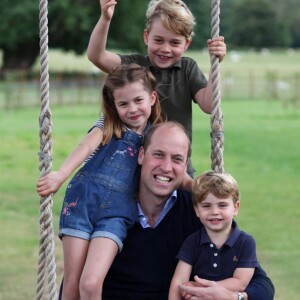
<point>46,278</point>
<point>216,118</point>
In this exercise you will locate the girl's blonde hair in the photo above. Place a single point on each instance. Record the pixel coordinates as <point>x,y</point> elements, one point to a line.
<point>174,15</point>
<point>221,185</point>
<point>118,78</point>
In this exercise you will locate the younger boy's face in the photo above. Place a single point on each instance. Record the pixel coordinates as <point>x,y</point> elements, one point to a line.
<point>165,48</point>
<point>216,214</point>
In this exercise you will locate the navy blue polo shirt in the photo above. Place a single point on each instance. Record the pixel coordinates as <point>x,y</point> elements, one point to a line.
<point>210,263</point>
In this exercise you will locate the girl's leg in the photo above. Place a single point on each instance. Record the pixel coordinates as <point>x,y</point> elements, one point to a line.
<point>75,252</point>
<point>101,254</point>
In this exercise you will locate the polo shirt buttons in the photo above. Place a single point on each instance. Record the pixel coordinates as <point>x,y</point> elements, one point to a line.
<point>211,245</point>
<point>215,265</point>
<point>215,254</point>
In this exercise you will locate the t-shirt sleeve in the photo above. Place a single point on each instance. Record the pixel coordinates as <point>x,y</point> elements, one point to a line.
<point>248,257</point>
<point>188,250</point>
<point>197,79</point>
<point>99,124</point>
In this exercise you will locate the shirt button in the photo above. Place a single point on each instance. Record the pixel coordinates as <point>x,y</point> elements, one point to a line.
<point>211,245</point>
<point>215,254</point>
<point>215,265</point>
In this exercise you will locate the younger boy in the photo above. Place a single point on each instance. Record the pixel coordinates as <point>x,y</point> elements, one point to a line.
<point>168,34</point>
<point>220,251</point>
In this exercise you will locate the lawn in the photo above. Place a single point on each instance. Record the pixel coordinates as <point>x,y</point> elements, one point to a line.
<point>261,151</point>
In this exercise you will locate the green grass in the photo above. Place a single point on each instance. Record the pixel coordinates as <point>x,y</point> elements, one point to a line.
<point>261,151</point>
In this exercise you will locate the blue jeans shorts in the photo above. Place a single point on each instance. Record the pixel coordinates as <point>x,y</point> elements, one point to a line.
<point>91,209</point>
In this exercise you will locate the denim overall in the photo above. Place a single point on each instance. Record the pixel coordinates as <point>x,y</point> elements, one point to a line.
<point>100,199</point>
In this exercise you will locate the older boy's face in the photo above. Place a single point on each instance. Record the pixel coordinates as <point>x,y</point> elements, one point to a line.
<point>165,48</point>
<point>164,162</point>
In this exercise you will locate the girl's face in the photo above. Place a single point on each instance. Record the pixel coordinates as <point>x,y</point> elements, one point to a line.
<point>216,214</point>
<point>165,48</point>
<point>133,104</point>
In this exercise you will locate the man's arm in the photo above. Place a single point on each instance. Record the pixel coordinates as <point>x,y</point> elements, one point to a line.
<point>260,286</point>
<point>239,281</point>
<point>203,289</point>
<point>96,52</point>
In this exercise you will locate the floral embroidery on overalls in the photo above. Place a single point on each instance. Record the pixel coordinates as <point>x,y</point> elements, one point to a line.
<point>67,206</point>
<point>123,152</point>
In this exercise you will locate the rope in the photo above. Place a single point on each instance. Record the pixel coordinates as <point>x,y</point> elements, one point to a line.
<point>46,277</point>
<point>216,118</point>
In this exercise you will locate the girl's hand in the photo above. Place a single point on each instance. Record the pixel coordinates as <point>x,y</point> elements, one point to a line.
<point>49,183</point>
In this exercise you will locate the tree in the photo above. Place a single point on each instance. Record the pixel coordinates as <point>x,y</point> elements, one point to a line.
<point>18,33</point>
<point>254,23</point>
<point>70,26</point>
<point>245,23</point>
<point>290,8</point>
<point>201,10</point>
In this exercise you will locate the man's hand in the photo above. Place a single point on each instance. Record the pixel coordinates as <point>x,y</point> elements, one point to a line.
<point>202,289</point>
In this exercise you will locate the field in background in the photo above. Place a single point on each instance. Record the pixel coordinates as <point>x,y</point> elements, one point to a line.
<point>245,76</point>
<point>261,151</point>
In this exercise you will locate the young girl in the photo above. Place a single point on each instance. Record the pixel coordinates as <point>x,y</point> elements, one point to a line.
<point>99,204</point>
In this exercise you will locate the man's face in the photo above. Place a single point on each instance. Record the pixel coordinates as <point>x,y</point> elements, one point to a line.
<point>164,162</point>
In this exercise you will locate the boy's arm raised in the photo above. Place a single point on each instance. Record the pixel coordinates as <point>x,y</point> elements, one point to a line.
<point>96,52</point>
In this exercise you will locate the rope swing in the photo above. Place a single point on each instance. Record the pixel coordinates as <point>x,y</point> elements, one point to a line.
<point>46,277</point>
<point>216,117</point>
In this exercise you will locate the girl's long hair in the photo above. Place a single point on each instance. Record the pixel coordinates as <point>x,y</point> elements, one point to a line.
<point>118,78</point>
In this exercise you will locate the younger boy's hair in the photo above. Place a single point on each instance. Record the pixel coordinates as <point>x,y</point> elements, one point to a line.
<point>221,185</point>
<point>174,15</point>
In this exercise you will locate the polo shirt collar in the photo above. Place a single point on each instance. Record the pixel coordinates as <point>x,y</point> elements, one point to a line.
<point>152,67</point>
<point>235,233</point>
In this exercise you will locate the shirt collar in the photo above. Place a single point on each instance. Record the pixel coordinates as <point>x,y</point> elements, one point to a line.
<point>152,67</point>
<point>142,219</point>
<point>235,233</point>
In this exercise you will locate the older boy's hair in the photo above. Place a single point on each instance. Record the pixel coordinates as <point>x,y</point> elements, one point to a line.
<point>221,185</point>
<point>174,15</point>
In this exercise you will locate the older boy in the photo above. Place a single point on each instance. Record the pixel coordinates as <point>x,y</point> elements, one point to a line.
<point>168,34</point>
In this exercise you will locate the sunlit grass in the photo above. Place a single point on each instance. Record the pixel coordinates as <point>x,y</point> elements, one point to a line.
<point>261,151</point>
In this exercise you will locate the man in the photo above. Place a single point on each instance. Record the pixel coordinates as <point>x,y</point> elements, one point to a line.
<point>144,268</point>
